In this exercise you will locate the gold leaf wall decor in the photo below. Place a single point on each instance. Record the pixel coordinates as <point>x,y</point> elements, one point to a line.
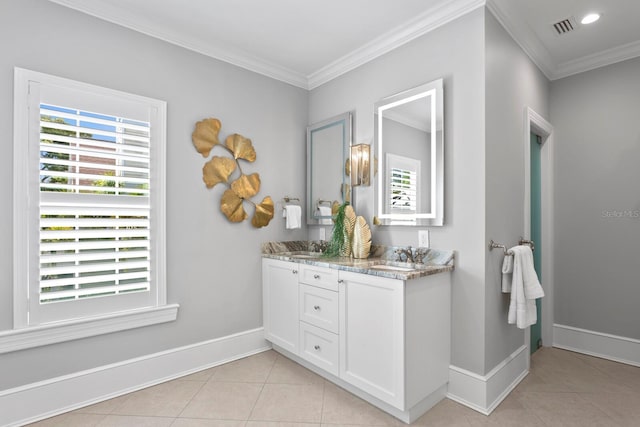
<point>241,147</point>
<point>231,206</point>
<point>263,213</point>
<point>246,186</point>
<point>205,136</point>
<point>218,170</point>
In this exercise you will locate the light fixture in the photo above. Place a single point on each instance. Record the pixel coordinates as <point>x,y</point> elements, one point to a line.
<point>590,18</point>
<point>360,165</point>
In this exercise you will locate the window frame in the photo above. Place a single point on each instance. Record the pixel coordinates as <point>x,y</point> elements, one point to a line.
<point>24,335</point>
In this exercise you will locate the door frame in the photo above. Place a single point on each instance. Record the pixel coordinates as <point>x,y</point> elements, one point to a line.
<point>534,122</point>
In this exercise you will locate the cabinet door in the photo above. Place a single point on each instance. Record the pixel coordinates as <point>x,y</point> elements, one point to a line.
<point>372,335</point>
<point>280,303</point>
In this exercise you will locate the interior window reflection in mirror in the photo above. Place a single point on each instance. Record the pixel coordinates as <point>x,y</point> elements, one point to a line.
<point>328,181</point>
<point>409,146</point>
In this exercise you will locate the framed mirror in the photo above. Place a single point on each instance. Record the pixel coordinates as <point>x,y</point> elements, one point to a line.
<point>328,167</point>
<point>408,171</point>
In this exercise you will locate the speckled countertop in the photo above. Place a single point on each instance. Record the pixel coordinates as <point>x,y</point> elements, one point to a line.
<point>402,263</point>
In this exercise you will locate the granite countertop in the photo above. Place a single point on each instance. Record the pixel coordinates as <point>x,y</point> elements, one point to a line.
<point>401,263</point>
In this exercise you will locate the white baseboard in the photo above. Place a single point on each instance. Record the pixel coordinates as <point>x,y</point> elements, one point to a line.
<point>33,402</point>
<point>612,347</point>
<point>484,393</point>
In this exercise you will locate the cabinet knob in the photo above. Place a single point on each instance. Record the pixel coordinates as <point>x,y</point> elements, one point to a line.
<point>316,276</point>
<point>316,347</point>
<point>340,280</point>
<point>316,307</point>
<point>294,271</point>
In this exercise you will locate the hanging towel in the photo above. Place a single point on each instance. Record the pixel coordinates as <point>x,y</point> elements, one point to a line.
<point>325,211</point>
<point>525,289</point>
<point>507,273</point>
<point>293,215</point>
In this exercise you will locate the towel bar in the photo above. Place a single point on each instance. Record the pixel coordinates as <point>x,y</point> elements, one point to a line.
<point>493,245</point>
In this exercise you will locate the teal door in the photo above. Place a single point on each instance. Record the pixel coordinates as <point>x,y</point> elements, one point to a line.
<point>536,230</point>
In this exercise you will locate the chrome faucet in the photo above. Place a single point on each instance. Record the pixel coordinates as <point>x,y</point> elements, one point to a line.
<point>406,253</point>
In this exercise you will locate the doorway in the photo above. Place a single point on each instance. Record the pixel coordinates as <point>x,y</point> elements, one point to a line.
<point>536,230</point>
<point>538,218</point>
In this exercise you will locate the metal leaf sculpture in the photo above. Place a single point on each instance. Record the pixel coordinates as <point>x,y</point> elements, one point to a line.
<point>361,244</point>
<point>241,147</point>
<point>205,136</point>
<point>217,170</point>
<point>349,225</point>
<point>246,186</point>
<point>220,169</point>
<point>263,213</point>
<point>231,206</point>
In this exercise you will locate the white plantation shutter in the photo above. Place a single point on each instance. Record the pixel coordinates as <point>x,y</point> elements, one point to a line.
<point>403,190</point>
<point>94,204</point>
<point>91,183</point>
<point>402,197</point>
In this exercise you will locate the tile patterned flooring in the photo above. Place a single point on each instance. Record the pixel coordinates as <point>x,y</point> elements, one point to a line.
<point>268,390</point>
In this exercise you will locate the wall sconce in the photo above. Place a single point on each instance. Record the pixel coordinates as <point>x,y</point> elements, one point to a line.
<point>360,165</point>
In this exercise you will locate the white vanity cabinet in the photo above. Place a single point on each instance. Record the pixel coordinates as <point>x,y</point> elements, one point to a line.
<point>395,338</point>
<point>386,340</point>
<point>372,335</point>
<point>280,303</point>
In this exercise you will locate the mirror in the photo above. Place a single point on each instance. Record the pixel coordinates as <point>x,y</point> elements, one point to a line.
<point>408,171</point>
<point>328,167</point>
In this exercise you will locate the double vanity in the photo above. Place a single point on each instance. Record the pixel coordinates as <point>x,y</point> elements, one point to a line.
<point>378,327</point>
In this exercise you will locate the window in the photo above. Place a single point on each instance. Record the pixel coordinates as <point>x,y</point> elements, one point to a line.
<point>402,188</point>
<point>88,202</point>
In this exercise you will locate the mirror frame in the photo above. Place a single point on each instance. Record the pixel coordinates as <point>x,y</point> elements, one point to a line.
<point>435,217</point>
<point>346,121</point>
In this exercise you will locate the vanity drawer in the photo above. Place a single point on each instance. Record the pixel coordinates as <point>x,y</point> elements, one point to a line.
<point>319,276</point>
<point>319,347</point>
<point>319,307</point>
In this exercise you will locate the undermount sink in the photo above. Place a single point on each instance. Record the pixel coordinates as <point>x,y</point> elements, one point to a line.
<point>306,256</point>
<point>391,267</point>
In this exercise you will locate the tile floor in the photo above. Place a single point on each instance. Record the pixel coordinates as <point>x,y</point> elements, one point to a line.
<point>268,390</point>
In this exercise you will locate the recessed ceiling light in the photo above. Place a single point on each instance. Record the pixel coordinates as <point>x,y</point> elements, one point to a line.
<point>590,18</point>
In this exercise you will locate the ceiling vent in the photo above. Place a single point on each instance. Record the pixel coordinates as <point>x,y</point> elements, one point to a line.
<point>565,26</point>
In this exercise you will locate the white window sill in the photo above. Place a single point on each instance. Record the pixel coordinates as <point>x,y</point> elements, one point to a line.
<point>35,336</point>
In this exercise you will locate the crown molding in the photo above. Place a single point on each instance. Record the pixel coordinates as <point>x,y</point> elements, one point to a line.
<point>441,14</point>
<point>522,34</point>
<point>231,56</point>
<point>437,16</point>
<point>533,47</point>
<point>600,59</point>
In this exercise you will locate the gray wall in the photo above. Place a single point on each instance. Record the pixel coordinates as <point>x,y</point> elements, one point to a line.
<point>513,82</point>
<point>597,223</point>
<point>213,265</point>
<point>454,52</point>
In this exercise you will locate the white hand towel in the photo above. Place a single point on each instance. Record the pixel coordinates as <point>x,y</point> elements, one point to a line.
<point>325,211</point>
<point>293,215</point>
<point>525,289</point>
<point>507,273</point>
